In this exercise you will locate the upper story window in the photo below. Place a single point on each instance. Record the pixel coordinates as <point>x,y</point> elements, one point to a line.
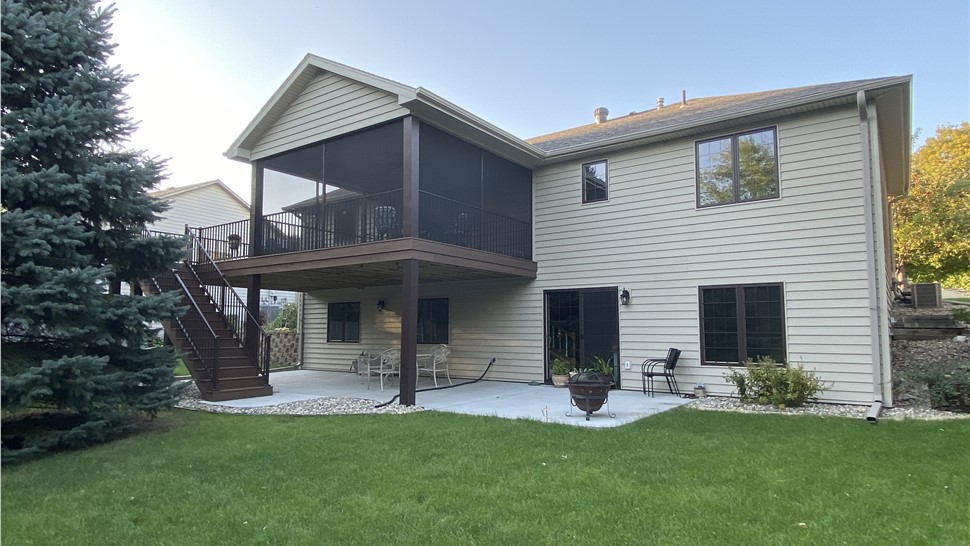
<point>595,181</point>
<point>737,168</point>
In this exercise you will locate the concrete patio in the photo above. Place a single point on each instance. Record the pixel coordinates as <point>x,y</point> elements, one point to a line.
<point>490,398</point>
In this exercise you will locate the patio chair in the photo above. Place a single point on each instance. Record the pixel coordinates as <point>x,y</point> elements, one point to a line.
<point>435,362</point>
<point>660,367</point>
<point>363,363</point>
<point>386,222</point>
<point>388,365</point>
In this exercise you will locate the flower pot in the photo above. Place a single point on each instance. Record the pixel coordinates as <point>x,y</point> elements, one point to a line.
<point>700,392</point>
<point>560,380</point>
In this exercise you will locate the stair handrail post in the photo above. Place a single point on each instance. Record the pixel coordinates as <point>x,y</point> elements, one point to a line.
<point>215,370</point>
<point>265,363</point>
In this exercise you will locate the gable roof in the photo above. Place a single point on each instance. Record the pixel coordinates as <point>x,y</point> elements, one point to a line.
<point>891,95</point>
<point>417,100</point>
<point>166,193</point>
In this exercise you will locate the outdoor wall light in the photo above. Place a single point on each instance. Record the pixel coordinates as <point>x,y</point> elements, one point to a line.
<point>624,297</point>
<point>380,306</point>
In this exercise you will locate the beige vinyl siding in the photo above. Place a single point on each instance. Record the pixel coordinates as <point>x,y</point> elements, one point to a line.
<point>329,106</point>
<point>205,206</point>
<point>651,239</point>
<point>500,319</point>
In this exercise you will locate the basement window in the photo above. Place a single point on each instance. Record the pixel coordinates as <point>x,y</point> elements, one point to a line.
<point>742,321</point>
<point>343,322</point>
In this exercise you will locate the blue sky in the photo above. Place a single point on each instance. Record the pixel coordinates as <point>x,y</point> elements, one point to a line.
<point>205,67</point>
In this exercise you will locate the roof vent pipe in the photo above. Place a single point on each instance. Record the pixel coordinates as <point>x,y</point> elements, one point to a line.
<point>601,114</point>
<point>683,97</point>
<point>660,102</point>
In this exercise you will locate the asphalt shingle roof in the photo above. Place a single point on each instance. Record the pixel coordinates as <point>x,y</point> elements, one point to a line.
<point>696,111</point>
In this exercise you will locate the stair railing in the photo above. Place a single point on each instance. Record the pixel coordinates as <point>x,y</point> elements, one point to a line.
<point>193,325</point>
<point>246,326</point>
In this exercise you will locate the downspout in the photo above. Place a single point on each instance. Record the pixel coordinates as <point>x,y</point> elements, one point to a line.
<point>873,285</point>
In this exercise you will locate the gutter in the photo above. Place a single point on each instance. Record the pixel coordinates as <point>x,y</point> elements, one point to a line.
<point>872,285</point>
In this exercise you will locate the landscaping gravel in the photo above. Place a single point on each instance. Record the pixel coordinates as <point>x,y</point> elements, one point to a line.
<point>911,399</point>
<point>318,406</point>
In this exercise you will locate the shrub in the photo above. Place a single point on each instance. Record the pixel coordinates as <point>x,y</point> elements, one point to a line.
<point>948,385</point>
<point>769,382</point>
<point>961,314</point>
<point>286,319</point>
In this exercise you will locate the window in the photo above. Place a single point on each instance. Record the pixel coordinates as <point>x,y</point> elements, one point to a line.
<point>737,168</point>
<point>741,322</point>
<point>433,320</point>
<point>343,322</point>
<point>595,181</point>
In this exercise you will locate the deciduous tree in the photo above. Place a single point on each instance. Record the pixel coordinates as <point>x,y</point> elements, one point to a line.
<point>932,223</point>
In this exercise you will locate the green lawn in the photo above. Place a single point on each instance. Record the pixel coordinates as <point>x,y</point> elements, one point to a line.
<point>682,477</point>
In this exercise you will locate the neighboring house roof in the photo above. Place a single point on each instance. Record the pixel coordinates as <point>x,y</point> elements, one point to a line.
<point>178,190</point>
<point>891,96</point>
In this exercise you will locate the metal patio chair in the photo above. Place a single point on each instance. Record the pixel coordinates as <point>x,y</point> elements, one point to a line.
<point>660,367</point>
<point>388,365</point>
<point>435,362</point>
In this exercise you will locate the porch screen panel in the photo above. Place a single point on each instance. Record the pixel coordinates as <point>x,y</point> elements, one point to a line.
<point>367,162</point>
<point>450,167</point>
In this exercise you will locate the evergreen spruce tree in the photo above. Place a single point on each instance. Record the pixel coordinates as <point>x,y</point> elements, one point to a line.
<point>76,363</point>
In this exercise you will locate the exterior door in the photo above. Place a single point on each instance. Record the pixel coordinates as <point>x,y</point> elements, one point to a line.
<point>581,324</point>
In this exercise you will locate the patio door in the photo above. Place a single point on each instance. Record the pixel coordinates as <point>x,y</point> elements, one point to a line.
<point>581,324</point>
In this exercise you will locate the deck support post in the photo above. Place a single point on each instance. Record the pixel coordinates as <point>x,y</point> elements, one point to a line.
<point>409,268</point>
<point>256,212</point>
<point>409,331</point>
<point>253,286</point>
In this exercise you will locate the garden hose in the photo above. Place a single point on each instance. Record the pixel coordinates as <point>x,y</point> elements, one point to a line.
<point>396,396</point>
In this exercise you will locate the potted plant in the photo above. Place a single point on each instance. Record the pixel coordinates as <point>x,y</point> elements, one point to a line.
<point>560,371</point>
<point>602,365</point>
<point>589,390</point>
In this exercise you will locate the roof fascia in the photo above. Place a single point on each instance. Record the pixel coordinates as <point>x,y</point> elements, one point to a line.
<point>894,125</point>
<point>432,107</point>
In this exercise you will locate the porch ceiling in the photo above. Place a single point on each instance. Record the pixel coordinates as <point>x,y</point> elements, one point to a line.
<point>374,264</point>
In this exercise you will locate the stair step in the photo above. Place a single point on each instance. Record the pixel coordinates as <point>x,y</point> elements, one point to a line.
<point>229,383</point>
<point>927,333</point>
<point>236,394</point>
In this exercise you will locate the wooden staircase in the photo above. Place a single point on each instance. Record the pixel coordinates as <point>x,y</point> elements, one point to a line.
<point>214,349</point>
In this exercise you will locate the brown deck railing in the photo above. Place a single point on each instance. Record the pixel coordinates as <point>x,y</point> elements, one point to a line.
<point>449,221</point>
<point>192,325</point>
<point>370,218</point>
<point>244,324</point>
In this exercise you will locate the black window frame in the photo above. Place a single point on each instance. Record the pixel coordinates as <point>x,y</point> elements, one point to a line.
<point>606,182</point>
<point>740,322</point>
<point>736,168</point>
<point>425,305</point>
<point>339,310</point>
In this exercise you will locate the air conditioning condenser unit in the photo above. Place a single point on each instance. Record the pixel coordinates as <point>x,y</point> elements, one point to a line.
<point>928,294</point>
